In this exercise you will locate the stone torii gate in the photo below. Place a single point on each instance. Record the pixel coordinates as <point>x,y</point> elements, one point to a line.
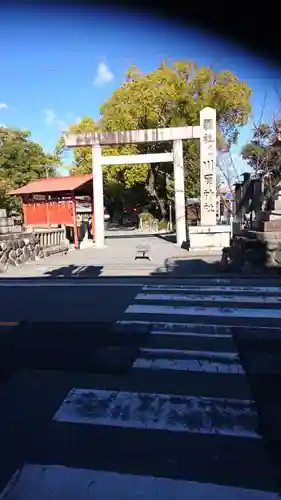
<point>206,132</point>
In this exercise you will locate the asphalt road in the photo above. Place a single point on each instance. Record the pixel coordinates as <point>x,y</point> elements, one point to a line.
<point>64,304</point>
<point>102,299</point>
<point>106,340</point>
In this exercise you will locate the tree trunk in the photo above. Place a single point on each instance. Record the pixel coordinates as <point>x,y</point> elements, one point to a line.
<point>152,190</point>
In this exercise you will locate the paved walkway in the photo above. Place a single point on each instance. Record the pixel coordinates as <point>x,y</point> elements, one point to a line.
<point>118,259</point>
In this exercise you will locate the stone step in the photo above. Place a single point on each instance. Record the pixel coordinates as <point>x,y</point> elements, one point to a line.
<point>263,216</point>
<point>272,215</point>
<point>6,221</point>
<point>277,204</point>
<point>271,225</point>
<point>10,229</point>
<point>275,215</point>
<point>272,239</point>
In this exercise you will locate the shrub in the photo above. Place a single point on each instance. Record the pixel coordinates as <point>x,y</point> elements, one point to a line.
<point>163,224</point>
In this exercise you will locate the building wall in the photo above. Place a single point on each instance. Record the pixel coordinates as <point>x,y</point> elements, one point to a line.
<point>47,212</point>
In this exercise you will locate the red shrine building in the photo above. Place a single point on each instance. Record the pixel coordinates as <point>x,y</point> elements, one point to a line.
<point>58,201</point>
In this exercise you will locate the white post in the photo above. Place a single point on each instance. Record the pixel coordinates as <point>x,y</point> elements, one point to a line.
<point>208,154</point>
<point>98,196</point>
<point>179,191</point>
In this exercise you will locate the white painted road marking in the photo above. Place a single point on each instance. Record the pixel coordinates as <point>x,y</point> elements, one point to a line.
<point>56,482</point>
<point>254,299</point>
<point>192,334</point>
<point>204,311</point>
<point>189,365</point>
<point>225,356</point>
<point>176,327</point>
<point>215,288</point>
<point>203,329</point>
<point>168,412</point>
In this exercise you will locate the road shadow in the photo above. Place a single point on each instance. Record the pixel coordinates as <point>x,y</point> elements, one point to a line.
<point>261,360</point>
<point>88,347</point>
<point>173,268</point>
<point>74,271</point>
<point>214,266</point>
<point>189,267</point>
<point>130,233</point>
<point>170,237</point>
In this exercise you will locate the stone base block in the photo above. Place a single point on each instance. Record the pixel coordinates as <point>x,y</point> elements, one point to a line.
<point>86,243</point>
<point>209,238</point>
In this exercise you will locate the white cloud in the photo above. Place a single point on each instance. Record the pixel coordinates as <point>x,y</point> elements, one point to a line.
<point>52,120</point>
<point>49,117</point>
<point>104,75</point>
<point>3,105</point>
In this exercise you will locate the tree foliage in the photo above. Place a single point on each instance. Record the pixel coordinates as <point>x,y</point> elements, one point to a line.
<point>260,153</point>
<point>172,95</point>
<point>21,161</point>
<point>263,153</point>
<point>127,175</point>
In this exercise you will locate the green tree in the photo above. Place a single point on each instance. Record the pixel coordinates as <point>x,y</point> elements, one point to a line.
<point>21,161</point>
<point>173,95</point>
<point>82,163</point>
<point>263,153</point>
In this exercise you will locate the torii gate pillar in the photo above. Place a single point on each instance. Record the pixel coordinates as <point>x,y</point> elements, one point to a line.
<point>179,191</point>
<point>98,195</point>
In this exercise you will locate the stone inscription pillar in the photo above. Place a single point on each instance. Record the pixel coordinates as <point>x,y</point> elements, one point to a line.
<point>208,154</point>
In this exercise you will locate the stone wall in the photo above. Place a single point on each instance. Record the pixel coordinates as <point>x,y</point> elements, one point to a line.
<point>14,252</point>
<point>7,224</point>
<point>253,251</point>
<point>17,251</point>
<point>18,246</point>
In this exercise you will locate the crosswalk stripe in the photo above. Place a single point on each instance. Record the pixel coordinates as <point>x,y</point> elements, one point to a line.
<point>209,298</point>
<point>170,326</point>
<point>203,289</point>
<point>159,412</point>
<point>189,365</point>
<point>201,329</point>
<point>191,334</point>
<point>35,481</point>
<point>203,311</point>
<point>225,356</point>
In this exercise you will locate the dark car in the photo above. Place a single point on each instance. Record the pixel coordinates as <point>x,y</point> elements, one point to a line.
<point>130,218</point>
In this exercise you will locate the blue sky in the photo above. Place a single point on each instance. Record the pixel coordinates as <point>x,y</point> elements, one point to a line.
<point>61,65</point>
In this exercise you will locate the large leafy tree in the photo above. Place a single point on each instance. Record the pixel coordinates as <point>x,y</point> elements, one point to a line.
<point>173,95</point>
<point>21,161</point>
<point>263,154</point>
